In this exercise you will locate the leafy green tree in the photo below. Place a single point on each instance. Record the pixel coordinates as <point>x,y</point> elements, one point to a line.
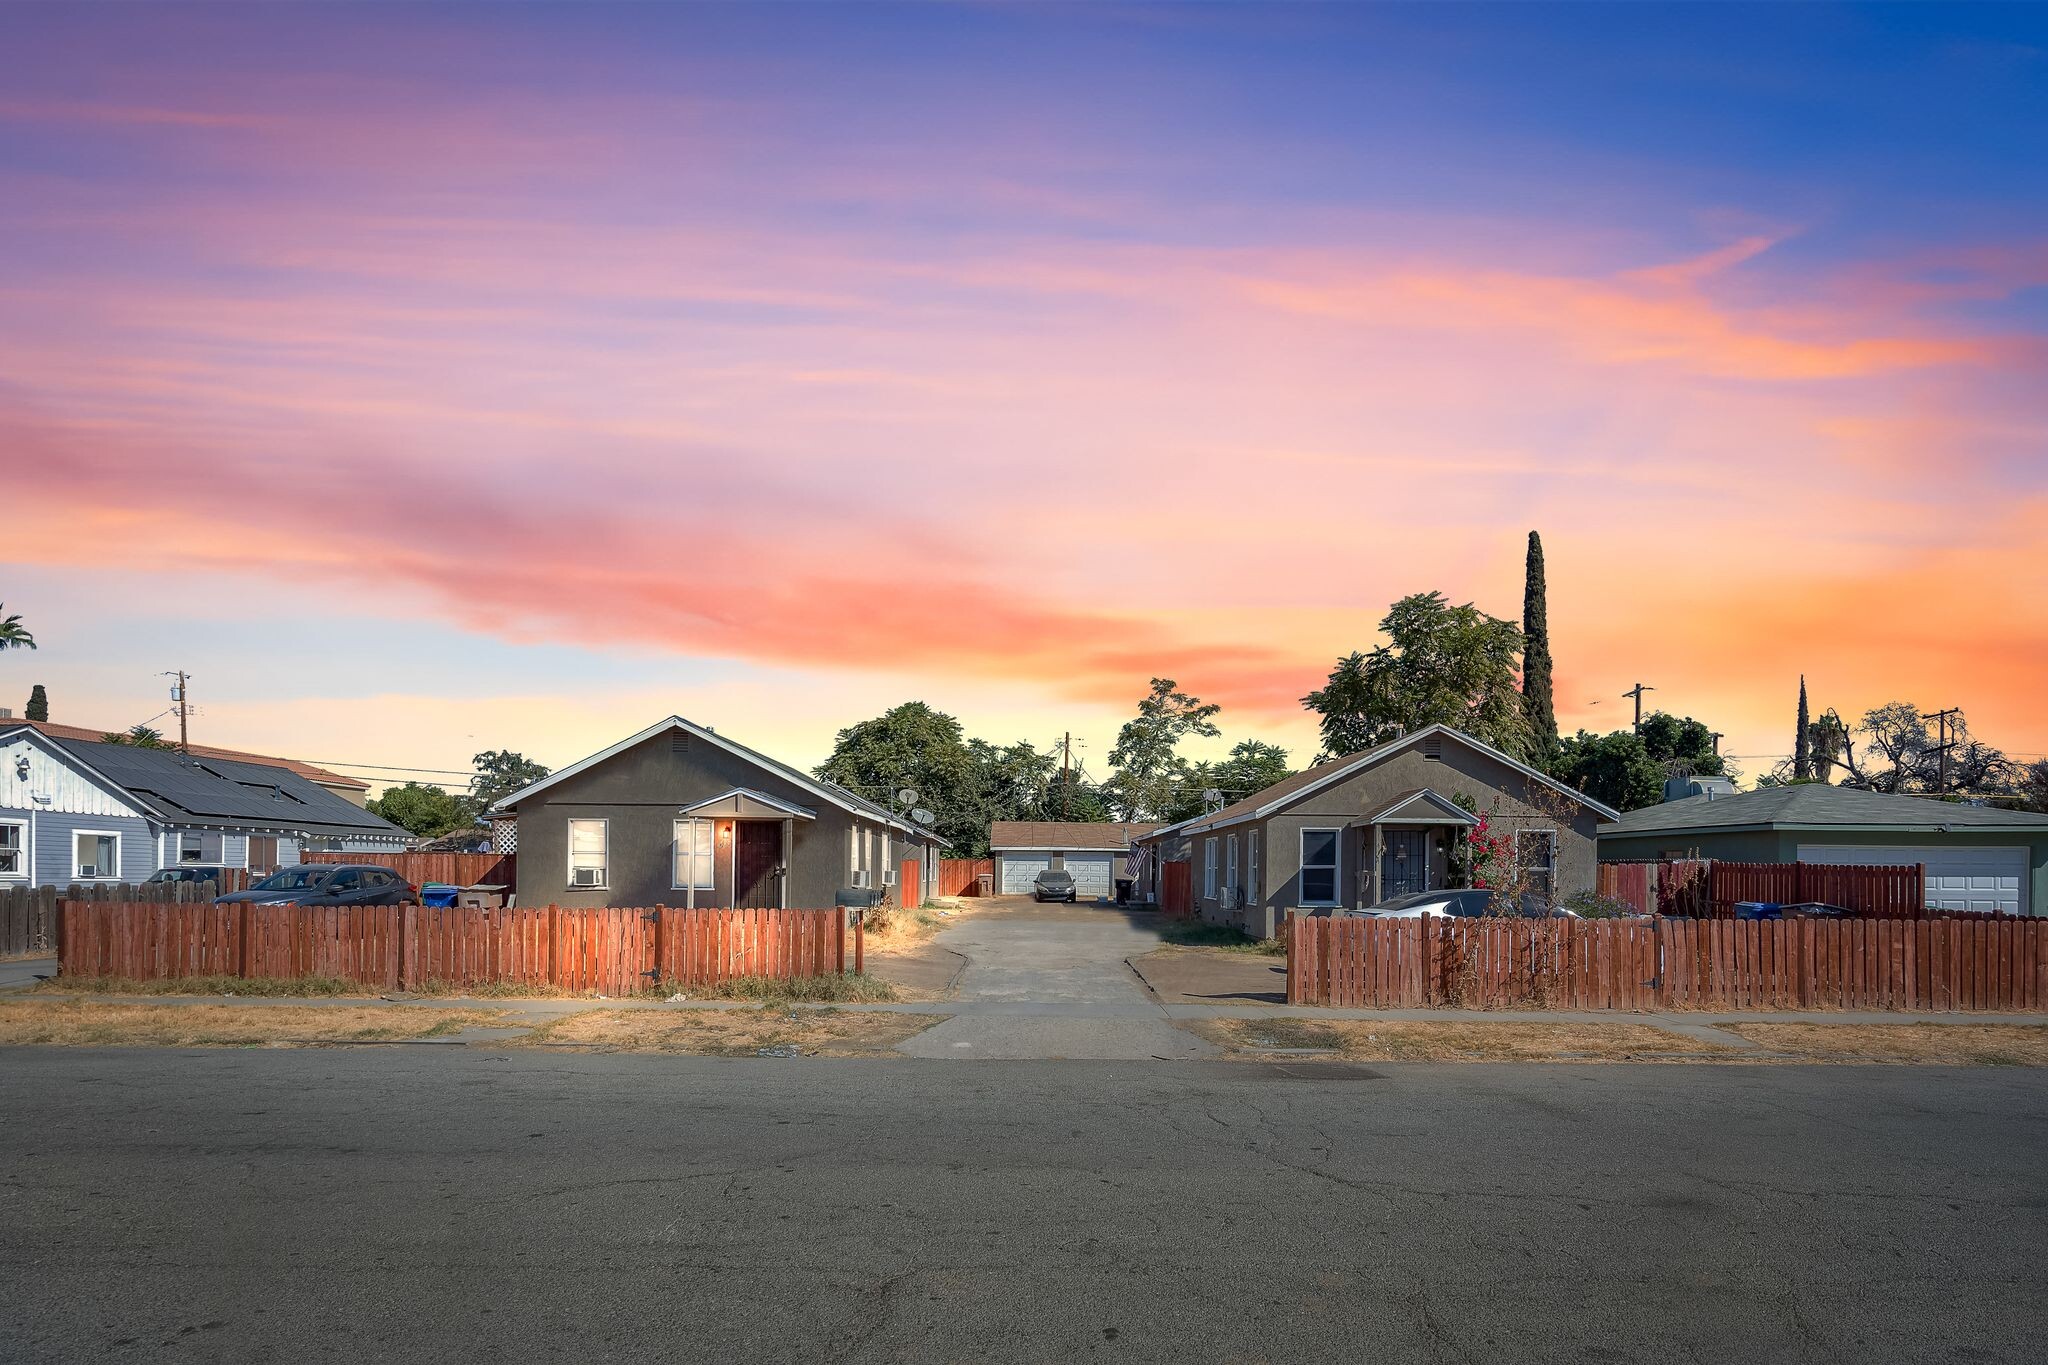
<point>1538,705</point>
<point>1151,777</point>
<point>1441,664</point>
<point>1253,766</point>
<point>1615,768</point>
<point>1687,743</point>
<point>426,811</point>
<point>139,737</point>
<point>14,635</point>
<point>913,746</point>
<point>499,773</point>
<point>38,703</point>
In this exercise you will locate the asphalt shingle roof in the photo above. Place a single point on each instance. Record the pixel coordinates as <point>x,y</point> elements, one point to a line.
<point>1092,834</point>
<point>1814,805</point>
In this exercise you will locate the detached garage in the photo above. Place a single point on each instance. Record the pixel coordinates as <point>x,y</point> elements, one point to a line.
<point>1094,853</point>
<point>1977,857</point>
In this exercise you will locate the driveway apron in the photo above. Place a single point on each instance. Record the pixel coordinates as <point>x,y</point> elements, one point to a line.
<point>1051,981</point>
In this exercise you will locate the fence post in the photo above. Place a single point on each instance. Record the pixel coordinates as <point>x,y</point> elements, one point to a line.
<point>408,946</point>
<point>860,942</point>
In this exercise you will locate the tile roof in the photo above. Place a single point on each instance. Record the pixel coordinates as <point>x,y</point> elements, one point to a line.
<point>1816,805</point>
<point>1109,834</point>
<point>306,770</point>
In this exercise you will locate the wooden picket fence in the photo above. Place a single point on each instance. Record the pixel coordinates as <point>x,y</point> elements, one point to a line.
<point>30,915</point>
<point>609,951</point>
<point>1703,888</point>
<point>959,876</point>
<point>450,869</point>
<point>1933,965</point>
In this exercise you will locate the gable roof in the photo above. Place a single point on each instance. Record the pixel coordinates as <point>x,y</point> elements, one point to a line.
<point>311,772</point>
<point>186,789</point>
<point>830,791</point>
<point>1422,804</point>
<point>1288,790</point>
<point>1816,805</point>
<point>1062,834</point>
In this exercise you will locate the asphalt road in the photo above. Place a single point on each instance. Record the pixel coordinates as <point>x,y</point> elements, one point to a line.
<point>449,1204</point>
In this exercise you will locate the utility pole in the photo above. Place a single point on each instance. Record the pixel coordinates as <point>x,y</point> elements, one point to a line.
<point>178,695</point>
<point>1941,749</point>
<point>1637,693</point>
<point>1066,774</point>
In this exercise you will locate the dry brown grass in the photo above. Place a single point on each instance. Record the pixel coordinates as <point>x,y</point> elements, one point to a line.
<point>731,1033</point>
<point>246,986</point>
<point>894,930</point>
<point>1920,1044</point>
<point>94,1023</point>
<point>1461,1041</point>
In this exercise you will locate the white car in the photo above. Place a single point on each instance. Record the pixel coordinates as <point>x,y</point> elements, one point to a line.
<point>1462,903</point>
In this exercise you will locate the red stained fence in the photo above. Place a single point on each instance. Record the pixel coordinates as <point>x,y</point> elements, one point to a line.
<point>1177,890</point>
<point>450,869</point>
<point>613,951</point>
<point>957,876</point>
<point>1934,965</point>
<point>1701,888</point>
<point>30,915</point>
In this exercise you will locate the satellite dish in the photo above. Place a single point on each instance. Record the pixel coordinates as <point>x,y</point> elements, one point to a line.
<point>923,816</point>
<point>908,796</point>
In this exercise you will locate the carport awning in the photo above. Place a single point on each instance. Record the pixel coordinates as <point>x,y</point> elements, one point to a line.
<point>744,803</point>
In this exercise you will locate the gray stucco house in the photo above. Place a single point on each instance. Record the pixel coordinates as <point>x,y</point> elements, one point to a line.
<point>1977,857</point>
<point>681,815</point>
<point>1359,829</point>
<point>82,811</point>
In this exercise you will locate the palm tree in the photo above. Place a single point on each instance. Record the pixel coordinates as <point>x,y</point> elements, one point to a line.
<point>13,635</point>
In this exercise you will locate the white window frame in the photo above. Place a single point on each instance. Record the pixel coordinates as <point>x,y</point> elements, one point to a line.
<point>888,862</point>
<point>1230,864</point>
<point>852,855</point>
<point>21,851</point>
<point>200,858</point>
<point>1253,893</point>
<point>702,854</point>
<point>604,871</point>
<point>1550,869</point>
<point>113,834</point>
<point>1209,868</point>
<point>1335,865</point>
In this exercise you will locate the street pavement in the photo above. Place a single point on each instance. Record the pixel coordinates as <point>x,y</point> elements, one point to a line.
<point>453,1204</point>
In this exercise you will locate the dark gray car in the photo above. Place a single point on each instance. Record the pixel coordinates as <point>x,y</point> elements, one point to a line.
<point>1053,884</point>
<point>328,884</point>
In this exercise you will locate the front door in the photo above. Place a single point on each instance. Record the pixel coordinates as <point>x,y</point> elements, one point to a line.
<point>757,865</point>
<point>1404,862</point>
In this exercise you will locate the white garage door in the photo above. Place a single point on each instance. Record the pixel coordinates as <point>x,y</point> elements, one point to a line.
<point>1957,878</point>
<point>1092,876</point>
<point>1019,869</point>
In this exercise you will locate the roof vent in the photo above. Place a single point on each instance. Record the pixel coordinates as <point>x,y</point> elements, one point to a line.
<point>679,744</point>
<point>1433,748</point>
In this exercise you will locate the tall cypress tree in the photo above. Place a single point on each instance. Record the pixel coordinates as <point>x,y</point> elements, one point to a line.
<point>1537,704</point>
<point>38,703</point>
<point>1802,743</point>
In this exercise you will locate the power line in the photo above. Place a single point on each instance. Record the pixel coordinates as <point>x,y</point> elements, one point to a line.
<point>385,767</point>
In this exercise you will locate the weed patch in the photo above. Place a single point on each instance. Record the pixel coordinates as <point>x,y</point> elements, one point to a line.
<point>329,987</point>
<point>1187,933</point>
<point>97,1023</point>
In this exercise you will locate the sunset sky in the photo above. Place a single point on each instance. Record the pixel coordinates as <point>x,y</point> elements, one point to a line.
<point>433,379</point>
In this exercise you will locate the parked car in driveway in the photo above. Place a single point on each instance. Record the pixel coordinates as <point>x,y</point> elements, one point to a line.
<point>328,884</point>
<point>1053,884</point>
<point>1453,903</point>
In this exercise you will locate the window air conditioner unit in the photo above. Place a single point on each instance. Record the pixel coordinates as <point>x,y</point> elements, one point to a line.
<point>1230,898</point>
<point>587,876</point>
<point>860,876</point>
<point>888,877</point>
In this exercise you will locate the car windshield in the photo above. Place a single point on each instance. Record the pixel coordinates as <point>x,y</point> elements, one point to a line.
<point>292,879</point>
<point>1409,902</point>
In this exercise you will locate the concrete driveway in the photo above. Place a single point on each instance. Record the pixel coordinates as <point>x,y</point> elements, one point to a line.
<point>1046,981</point>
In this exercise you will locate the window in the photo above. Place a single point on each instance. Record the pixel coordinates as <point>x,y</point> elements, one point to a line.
<point>262,852</point>
<point>98,855</point>
<point>693,855</point>
<point>888,865</point>
<point>589,853</point>
<point>13,850</point>
<point>199,848</point>
<point>1230,864</point>
<point>1255,892</point>
<point>852,855</point>
<point>1536,855</point>
<point>1208,869</point>
<point>1319,867</point>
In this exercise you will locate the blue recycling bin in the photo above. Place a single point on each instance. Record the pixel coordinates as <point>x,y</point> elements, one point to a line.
<point>439,893</point>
